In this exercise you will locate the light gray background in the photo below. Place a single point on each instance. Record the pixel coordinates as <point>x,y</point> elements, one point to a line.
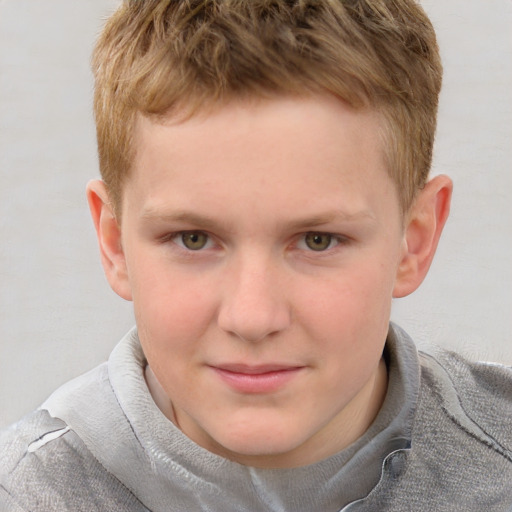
<point>58,317</point>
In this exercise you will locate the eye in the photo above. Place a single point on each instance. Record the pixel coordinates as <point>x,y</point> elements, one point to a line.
<point>192,240</point>
<point>320,241</point>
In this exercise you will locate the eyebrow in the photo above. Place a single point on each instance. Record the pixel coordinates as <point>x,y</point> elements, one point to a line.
<point>185,216</point>
<point>332,216</point>
<point>208,222</point>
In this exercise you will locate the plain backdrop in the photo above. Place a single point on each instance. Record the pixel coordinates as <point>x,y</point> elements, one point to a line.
<point>59,318</point>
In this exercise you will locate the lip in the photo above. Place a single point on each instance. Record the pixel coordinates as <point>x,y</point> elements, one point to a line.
<point>258,379</point>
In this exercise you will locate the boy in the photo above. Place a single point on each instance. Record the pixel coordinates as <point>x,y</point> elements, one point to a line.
<point>264,198</point>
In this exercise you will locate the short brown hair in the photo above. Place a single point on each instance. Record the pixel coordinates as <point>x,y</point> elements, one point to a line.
<point>156,57</point>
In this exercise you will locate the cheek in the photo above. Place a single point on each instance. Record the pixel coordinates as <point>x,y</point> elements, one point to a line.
<point>352,299</point>
<point>171,310</point>
<point>348,321</point>
<point>171,324</point>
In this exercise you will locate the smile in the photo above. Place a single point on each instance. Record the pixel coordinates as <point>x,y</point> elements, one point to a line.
<point>257,379</point>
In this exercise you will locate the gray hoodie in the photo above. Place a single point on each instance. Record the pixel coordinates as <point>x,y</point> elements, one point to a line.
<point>442,441</point>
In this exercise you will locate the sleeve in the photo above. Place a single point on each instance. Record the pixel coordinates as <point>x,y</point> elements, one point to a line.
<point>7,502</point>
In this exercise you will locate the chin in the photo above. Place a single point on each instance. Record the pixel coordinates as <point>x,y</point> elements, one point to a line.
<point>268,446</point>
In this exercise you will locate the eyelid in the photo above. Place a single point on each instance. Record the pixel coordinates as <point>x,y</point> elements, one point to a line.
<point>175,238</point>
<point>339,239</point>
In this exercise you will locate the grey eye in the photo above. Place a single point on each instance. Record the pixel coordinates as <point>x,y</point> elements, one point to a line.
<point>194,240</point>
<point>318,241</point>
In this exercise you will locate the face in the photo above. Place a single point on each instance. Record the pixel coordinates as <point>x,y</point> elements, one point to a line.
<point>261,244</point>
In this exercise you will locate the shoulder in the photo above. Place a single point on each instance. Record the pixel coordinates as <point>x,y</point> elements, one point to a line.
<point>476,395</point>
<point>45,466</point>
<point>18,440</point>
<point>460,456</point>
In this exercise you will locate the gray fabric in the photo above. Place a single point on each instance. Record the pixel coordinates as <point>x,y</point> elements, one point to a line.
<point>59,476</point>
<point>440,445</point>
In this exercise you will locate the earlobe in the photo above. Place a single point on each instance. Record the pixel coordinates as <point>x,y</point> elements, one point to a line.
<point>108,232</point>
<point>425,224</point>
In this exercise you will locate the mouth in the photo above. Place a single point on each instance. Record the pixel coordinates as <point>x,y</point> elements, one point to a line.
<point>257,379</point>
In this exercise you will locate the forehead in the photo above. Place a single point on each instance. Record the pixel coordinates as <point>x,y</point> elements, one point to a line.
<point>272,110</point>
<point>280,147</point>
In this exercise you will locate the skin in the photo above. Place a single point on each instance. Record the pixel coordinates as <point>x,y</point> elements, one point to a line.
<point>266,235</point>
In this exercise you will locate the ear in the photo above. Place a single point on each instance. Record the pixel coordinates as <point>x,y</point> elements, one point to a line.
<point>108,231</point>
<point>424,225</point>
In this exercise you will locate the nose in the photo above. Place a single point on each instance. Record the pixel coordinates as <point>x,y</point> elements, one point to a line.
<point>254,306</point>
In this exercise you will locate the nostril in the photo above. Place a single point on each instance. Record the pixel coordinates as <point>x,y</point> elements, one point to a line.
<point>254,325</point>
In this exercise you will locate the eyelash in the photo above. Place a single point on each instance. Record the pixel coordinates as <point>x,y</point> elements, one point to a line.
<point>333,243</point>
<point>177,239</point>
